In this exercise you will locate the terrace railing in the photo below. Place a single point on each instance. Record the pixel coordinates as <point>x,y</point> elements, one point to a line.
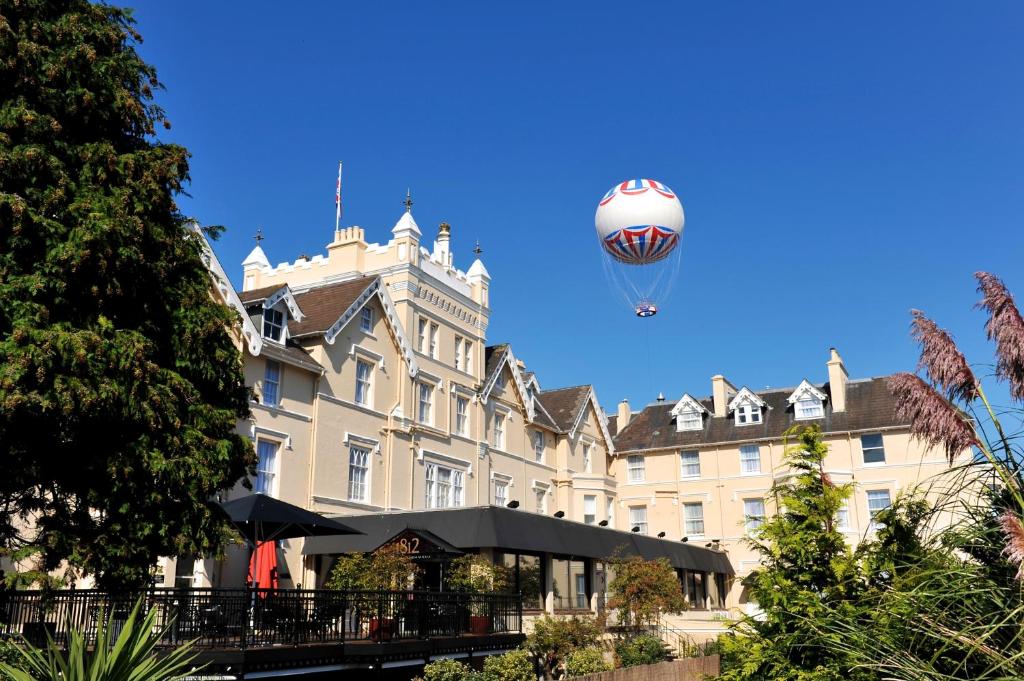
<point>248,618</point>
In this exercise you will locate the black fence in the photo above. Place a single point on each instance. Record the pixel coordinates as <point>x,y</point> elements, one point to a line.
<point>248,618</point>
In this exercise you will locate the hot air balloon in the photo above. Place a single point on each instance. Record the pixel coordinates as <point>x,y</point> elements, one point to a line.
<point>639,224</point>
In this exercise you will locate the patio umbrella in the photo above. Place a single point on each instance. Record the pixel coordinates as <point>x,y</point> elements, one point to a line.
<point>263,565</point>
<point>260,518</point>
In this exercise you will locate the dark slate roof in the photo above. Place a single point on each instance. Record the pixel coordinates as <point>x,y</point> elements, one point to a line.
<point>514,530</point>
<point>869,406</point>
<point>259,293</point>
<point>564,404</point>
<point>541,418</point>
<point>291,354</point>
<point>323,305</point>
<point>493,356</point>
<point>613,423</point>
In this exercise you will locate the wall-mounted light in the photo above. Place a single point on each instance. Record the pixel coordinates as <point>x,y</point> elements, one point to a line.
<point>685,539</point>
<point>513,504</point>
<point>559,514</point>
<point>661,534</point>
<point>636,528</point>
<point>603,523</point>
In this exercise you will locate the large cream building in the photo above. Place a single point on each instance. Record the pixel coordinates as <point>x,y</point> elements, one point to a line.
<point>376,391</point>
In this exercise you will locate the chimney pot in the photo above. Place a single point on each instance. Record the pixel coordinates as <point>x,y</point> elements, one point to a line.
<point>623,415</point>
<point>721,392</point>
<point>837,379</point>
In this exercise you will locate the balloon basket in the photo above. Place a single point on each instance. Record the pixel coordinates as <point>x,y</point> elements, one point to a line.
<point>646,309</point>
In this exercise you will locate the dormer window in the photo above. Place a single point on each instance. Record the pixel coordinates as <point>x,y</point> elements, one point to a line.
<point>808,402</point>
<point>691,420</point>
<point>689,414</point>
<point>747,414</point>
<point>273,324</point>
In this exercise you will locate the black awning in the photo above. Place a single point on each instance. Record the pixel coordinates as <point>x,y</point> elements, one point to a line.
<point>511,530</point>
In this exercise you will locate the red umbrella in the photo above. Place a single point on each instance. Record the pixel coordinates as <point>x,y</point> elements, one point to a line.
<point>263,566</point>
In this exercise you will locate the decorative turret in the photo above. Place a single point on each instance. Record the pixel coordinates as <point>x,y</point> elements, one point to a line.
<point>442,246</point>
<point>407,234</point>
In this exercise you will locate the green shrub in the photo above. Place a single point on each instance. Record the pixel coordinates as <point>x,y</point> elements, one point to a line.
<point>9,655</point>
<point>514,665</point>
<point>585,661</point>
<point>554,638</point>
<point>448,670</point>
<point>642,649</point>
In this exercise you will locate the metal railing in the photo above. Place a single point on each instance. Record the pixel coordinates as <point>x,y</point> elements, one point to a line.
<point>248,618</point>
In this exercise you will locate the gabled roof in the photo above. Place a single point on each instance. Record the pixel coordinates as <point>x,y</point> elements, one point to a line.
<point>568,408</point>
<point>687,403</point>
<point>499,357</point>
<point>745,395</point>
<point>252,337</point>
<point>869,406</point>
<point>804,390</point>
<point>270,296</point>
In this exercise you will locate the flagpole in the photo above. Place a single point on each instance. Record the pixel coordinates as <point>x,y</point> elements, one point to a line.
<point>337,201</point>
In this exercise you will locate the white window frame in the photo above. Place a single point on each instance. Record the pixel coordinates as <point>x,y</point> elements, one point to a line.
<point>421,334</point>
<point>693,523</point>
<point>359,458</point>
<point>501,484</point>
<point>366,320</point>
<point>462,415</point>
<point>274,319</point>
<point>638,518</point>
<point>444,487</point>
<point>364,386</point>
<point>808,407</point>
<point>540,494</point>
<point>686,471</point>
<point>752,521</point>
<point>266,473</point>
<point>636,468</point>
<point>539,442</point>
<point>434,335</point>
<point>691,419</point>
<point>271,398</point>
<point>610,511</point>
<point>843,517</point>
<point>458,354</point>
<point>880,448</point>
<point>590,509</point>
<point>746,461</point>
<point>873,512</point>
<point>498,423</point>
<point>425,403</point>
<point>467,351</point>
<point>748,414</point>
<point>588,457</point>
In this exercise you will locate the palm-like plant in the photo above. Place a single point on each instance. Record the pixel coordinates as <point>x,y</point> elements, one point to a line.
<point>131,655</point>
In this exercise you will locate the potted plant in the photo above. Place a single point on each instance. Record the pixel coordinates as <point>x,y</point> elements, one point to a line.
<point>371,579</point>
<point>473,574</point>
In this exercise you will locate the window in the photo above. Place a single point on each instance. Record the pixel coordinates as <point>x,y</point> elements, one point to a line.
<point>809,408</point>
<point>499,431</point>
<point>542,499</point>
<point>459,363</point>
<point>266,466</point>
<point>271,383</point>
<point>461,415</point>
<point>358,473</point>
<point>366,319</point>
<point>693,519</point>
<point>421,335</point>
<point>467,352</point>
<point>426,397</point>
<point>750,459</point>
<point>878,500</point>
<point>690,464</point>
<point>273,324</point>
<point>444,487</point>
<point>587,462</point>
<point>500,492</point>
<point>581,588</point>
<point>538,445</point>
<point>635,465</point>
<point>433,340</point>
<point>590,509</point>
<point>748,413</point>
<point>611,512</point>
<point>753,514</point>
<point>690,420</point>
<point>638,518</point>
<point>363,372</point>
<point>843,517</point>
<point>871,445</point>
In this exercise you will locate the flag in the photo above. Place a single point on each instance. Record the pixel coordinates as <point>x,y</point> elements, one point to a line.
<point>337,199</point>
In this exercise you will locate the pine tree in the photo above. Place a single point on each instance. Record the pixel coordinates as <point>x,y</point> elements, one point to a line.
<point>120,386</point>
<point>808,576</point>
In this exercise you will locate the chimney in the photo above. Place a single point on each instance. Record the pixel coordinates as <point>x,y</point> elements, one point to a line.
<point>623,415</point>
<point>442,251</point>
<point>721,392</point>
<point>837,378</point>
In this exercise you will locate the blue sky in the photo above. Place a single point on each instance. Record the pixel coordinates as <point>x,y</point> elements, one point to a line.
<point>839,164</point>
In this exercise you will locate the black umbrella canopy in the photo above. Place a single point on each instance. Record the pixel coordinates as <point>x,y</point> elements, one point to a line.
<point>261,518</point>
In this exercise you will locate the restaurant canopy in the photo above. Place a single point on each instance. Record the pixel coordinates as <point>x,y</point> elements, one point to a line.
<point>514,531</point>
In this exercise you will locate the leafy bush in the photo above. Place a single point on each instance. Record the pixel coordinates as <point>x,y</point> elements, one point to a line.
<point>385,569</point>
<point>514,665</point>
<point>9,655</point>
<point>585,661</point>
<point>552,639</point>
<point>448,670</point>
<point>642,590</point>
<point>130,657</point>
<point>642,649</point>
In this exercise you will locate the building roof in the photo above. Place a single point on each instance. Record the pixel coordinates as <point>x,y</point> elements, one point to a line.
<point>493,355</point>
<point>564,404</point>
<point>869,406</point>
<point>613,425</point>
<point>257,294</point>
<point>512,530</point>
<point>291,354</point>
<point>323,305</point>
